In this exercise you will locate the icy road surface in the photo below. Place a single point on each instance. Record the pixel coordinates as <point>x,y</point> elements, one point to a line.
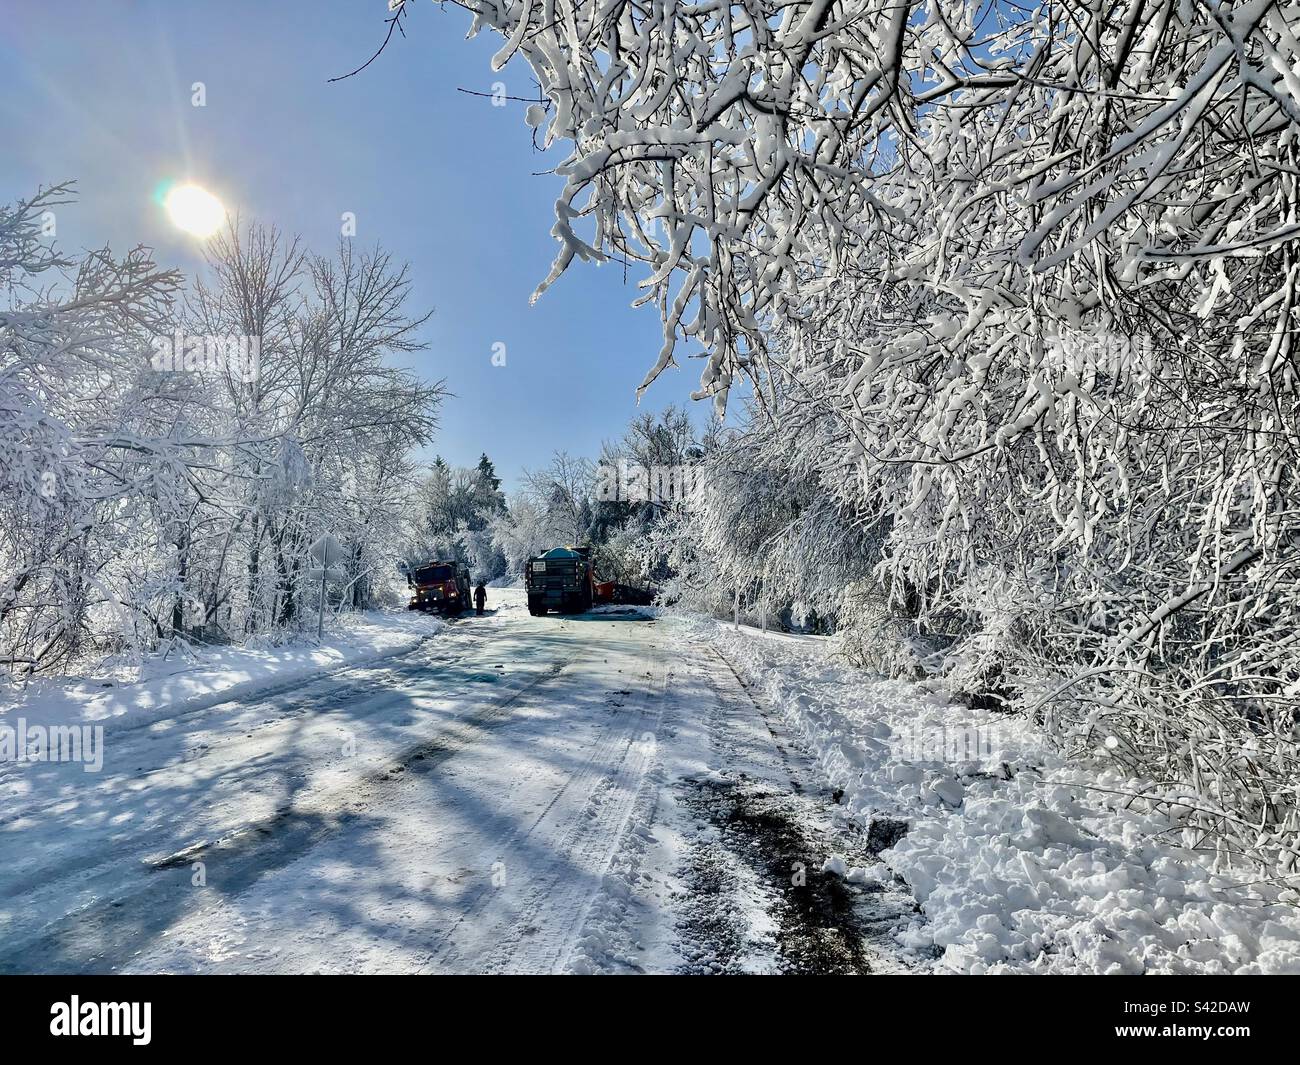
<point>517,795</point>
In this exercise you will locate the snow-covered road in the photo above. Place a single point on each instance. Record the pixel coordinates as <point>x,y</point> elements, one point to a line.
<point>517,795</point>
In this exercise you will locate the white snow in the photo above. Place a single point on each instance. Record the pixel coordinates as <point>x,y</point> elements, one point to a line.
<point>502,798</point>
<point>835,864</point>
<point>547,825</point>
<point>1048,871</point>
<point>871,874</point>
<point>189,677</point>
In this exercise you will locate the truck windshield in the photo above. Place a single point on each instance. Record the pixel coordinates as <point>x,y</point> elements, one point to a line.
<point>432,574</point>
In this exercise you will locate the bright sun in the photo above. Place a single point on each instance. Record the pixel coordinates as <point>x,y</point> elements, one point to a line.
<point>194,210</point>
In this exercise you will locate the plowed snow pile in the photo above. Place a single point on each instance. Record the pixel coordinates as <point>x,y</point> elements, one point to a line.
<point>1020,862</point>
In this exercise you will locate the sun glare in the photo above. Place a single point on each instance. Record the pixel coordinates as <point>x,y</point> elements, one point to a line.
<point>195,210</point>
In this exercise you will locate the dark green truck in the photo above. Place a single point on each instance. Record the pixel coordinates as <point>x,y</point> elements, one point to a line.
<point>561,580</point>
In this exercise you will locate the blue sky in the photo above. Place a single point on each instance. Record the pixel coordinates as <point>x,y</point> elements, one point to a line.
<point>100,93</point>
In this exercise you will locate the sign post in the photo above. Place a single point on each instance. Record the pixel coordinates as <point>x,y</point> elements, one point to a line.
<point>325,552</point>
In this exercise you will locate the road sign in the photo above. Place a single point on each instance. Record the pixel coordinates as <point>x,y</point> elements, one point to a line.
<point>327,553</point>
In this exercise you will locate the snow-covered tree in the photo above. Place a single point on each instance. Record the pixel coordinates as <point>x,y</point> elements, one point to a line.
<point>523,531</point>
<point>164,466</point>
<point>563,492</point>
<point>1035,267</point>
<point>92,446</point>
<point>327,418</point>
<point>455,513</point>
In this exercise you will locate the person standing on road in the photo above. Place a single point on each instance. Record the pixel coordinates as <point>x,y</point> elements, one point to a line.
<point>480,597</point>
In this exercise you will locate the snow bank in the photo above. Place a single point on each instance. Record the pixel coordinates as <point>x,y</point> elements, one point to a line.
<point>1020,862</point>
<point>627,610</point>
<point>195,678</point>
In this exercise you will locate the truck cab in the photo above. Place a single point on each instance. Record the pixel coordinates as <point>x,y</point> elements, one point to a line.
<point>441,587</point>
<point>561,580</point>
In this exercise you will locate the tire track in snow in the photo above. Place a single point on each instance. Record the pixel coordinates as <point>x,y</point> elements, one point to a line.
<point>583,832</point>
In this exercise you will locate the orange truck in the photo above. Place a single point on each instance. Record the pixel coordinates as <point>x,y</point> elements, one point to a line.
<point>441,587</point>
